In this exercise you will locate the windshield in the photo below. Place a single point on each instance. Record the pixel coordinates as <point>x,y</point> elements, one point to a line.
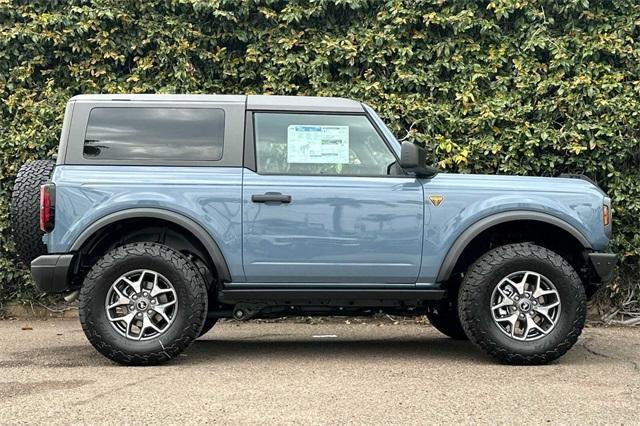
<point>383,127</point>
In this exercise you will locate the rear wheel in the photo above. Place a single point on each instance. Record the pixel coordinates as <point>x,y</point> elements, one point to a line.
<point>522,304</point>
<point>25,209</point>
<point>444,317</point>
<point>208,325</point>
<point>143,304</point>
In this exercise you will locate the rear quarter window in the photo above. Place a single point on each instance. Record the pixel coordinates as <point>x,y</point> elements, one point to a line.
<point>162,134</point>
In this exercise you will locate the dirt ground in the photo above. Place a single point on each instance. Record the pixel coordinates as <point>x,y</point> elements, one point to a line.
<point>328,373</point>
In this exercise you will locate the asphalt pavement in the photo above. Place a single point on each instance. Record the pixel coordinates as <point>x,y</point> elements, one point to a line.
<point>327,373</point>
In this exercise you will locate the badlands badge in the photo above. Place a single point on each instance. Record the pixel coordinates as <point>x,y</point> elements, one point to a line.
<point>436,200</point>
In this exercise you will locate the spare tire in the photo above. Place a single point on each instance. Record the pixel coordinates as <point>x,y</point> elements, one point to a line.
<point>25,209</point>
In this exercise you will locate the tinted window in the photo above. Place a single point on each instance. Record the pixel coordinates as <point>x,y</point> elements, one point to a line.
<point>313,144</point>
<point>168,134</point>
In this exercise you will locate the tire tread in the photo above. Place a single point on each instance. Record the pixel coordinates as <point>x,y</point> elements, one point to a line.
<point>25,209</point>
<point>195,320</point>
<point>472,288</point>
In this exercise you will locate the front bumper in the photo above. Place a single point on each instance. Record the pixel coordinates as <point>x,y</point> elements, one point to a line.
<point>52,272</point>
<point>603,265</point>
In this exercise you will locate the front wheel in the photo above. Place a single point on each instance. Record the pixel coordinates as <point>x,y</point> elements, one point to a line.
<point>143,304</point>
<point>522,304</point>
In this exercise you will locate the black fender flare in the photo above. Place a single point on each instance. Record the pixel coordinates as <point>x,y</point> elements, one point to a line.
<point>170,216</point>
<point>483,224</point>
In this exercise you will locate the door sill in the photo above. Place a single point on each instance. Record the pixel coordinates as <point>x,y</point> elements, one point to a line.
<point>337,295</point>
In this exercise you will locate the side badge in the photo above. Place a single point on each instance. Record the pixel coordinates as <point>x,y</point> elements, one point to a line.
<point>436,200</point>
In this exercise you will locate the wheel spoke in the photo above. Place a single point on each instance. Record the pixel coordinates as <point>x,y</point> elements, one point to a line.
<point>135,285</point>
<point>519,287</point>
<point>154,284</point>
<point>157,291</point>
<point>524,282</point>
<point>537,284</point>
<point>544,310</point>
<point>147,323</point>
<point>541,293</point>
<point>162,314</point>
<point>112,318</point>
<point>511,319</point>
<point>528,310</point>
<point>138,291</point>
<point>164,306</point>
<point>544,314</point>
<point>505,302</point>
<point>128,320</point>
<point>531,324</point>
<point>550,305</point>
<point>122,299</point>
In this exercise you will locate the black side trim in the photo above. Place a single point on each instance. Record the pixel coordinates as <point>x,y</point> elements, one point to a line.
<point>170,216</point>
<point>249,154</point>
<point>604,265</point>
<point>51,272</point>
<point>474,230</point>
<point>353,297</point>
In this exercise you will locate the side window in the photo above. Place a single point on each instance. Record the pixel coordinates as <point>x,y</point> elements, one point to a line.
<point>164,134</point>
<point>319,144</point>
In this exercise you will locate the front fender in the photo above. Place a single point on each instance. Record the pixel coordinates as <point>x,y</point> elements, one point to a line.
<point>509,216</point>
<point>472,203</point>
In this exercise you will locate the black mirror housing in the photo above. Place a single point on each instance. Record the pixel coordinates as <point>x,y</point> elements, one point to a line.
<point>413,158</point>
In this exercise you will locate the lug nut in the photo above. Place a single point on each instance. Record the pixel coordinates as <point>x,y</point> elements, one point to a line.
<point>131,307</point>
<point>139,314</point>
<point>521,315</point>
<point>145,294</point>
<point>149,311</point>
<point>135,296</point>
<point>153,302</point>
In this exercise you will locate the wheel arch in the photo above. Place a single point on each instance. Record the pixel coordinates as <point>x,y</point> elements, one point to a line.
<point>465,239</point>
<point>202,236</point>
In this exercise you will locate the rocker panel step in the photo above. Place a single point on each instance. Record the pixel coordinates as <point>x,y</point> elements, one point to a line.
<point>369,296</point>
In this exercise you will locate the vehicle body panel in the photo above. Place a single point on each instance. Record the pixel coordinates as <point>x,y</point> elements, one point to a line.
<point>210,196</point>
<point>468,199</point>
<point>335,229</point>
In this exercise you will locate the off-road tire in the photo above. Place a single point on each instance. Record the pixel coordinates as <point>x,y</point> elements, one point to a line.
<point>474,301</point>
<point>208,325</point>
<point>190,316</point>
<point>445,319</point>
<point>25,209</point>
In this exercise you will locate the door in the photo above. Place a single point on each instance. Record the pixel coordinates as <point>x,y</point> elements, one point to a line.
<point>325,205</point>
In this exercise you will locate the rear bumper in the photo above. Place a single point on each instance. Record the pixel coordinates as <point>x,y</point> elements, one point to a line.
<point>51,272</point>
<point>603,265</point>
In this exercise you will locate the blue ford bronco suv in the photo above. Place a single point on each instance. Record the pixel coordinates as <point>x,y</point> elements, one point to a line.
<point>164,213</point>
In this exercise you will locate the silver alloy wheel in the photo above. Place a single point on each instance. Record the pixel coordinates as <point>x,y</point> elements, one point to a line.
<point>525,305</point>
<point>141,304</point>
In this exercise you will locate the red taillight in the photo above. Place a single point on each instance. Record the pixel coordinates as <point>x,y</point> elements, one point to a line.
<point>47,207</point>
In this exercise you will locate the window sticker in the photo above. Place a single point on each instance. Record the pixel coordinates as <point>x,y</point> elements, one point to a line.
<point>318,144</point>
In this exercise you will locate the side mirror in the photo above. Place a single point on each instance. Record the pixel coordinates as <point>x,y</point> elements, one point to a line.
<point>413,158</point>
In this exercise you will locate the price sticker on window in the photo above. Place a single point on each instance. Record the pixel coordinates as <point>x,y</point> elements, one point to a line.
<point>318,144</point>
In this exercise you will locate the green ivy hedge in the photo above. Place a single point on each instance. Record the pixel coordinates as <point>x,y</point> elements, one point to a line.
<point>504,86</point>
